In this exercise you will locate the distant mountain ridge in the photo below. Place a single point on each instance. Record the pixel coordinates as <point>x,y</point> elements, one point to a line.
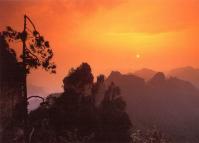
<point>187,73</point>
<point>171,104</point>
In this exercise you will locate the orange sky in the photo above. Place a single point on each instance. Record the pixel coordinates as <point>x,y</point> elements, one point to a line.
<point>110,35</point>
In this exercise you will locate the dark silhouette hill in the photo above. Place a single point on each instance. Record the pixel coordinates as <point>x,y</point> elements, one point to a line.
<point>187,73</point>
<point>145,73</point>
<point>72,116</point>
<point>126,81</point>
<point>170,104</point>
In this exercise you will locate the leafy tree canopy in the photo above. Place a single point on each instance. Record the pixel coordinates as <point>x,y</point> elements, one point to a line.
<point>37,50</point>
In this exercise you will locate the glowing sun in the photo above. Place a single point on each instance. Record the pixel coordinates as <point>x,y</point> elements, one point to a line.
<point>137,56</point>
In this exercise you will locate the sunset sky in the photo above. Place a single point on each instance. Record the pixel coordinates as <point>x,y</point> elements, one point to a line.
<point>122,35</point>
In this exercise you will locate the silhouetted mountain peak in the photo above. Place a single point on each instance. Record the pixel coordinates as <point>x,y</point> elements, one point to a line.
<point>158,78</point>
<point>145,73</point>
<point>126,82</point>
<point>115,74</point>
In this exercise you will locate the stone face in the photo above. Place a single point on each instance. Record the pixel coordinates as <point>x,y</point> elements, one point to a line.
<point>11,76</point>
